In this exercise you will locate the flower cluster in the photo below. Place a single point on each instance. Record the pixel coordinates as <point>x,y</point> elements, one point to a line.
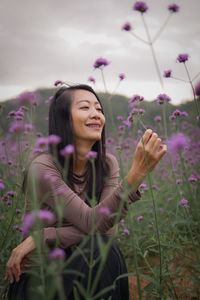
<point>91,79</point>
<point>31,218</point>
<point>163,98</point>
<point>140,6</point>
<point>69,149</point>
<point>167,73</point>
<point>178,142</point>
<point>182,58</point>
<point>100,62</point>
<point>127,27</point>
<point>197,89</point>
<point>173,8</point>
<point>178,113</point>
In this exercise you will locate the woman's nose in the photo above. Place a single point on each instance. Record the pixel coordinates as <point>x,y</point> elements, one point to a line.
<point>94,113</point>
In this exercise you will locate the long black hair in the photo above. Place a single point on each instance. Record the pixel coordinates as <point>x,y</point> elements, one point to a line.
<point>60,124</point>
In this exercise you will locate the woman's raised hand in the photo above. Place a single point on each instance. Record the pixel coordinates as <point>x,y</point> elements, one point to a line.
<point>17,259</point>
<point>148,151</point>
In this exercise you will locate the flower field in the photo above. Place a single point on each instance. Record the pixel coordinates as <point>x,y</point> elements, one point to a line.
<point>160,236</point>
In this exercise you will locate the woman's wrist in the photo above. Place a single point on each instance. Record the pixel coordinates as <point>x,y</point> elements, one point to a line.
<point>135,179</point>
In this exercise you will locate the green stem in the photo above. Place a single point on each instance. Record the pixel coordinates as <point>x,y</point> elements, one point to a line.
<point>152,52</point>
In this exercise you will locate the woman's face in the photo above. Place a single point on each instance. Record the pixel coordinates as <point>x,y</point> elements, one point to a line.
<point>87,117</point>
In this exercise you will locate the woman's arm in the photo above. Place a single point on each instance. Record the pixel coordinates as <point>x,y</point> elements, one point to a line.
<point>76,211</point>
<point>66,236</point>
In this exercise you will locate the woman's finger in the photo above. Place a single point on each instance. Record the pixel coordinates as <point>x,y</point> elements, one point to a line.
<point>152,140</point>
<point>162,152</point>
<point>146,136</point>
<point>156,145</point>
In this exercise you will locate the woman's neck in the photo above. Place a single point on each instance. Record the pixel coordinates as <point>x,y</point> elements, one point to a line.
<point>80,162</point>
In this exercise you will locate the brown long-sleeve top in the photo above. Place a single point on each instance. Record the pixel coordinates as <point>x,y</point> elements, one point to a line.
<point>77,215</point>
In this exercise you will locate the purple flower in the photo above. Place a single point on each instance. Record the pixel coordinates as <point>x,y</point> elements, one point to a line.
<point>54,139</point>
<point>57,254</point>
<point>126,231</point>
<point>29,126</point>
<point>135,98</point>
<point>119,118</point>
<point>16,127</point>
<point>178,181</point>
<point>167,73</point>
<point>42,142</point>
<point>182,58</point>
<point>143,185</point>
<point>18,211</point>
<point>91,79</point>
<point>173,8</point>
<point>16,227</point>
<point>57,82</point>
<point>2,186</point>
<point>104,211</point>
<point>177,142</point>
<point>69,149</point>
<point>169,199</point>
<point>26,98</point>
<point>184,203</point>
<point>127,27</point>
<point>122,76</point>
<point>197,89</point>
<point>140,6</point>
<point>192,179</point>
<point>158,119</point>
<point>91,154</point>
<point>139,219</point>
<point>30,219</point>
<point>100,62</point>
<point>163,98</point>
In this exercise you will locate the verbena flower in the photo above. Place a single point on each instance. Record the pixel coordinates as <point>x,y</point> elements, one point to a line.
<point>119,118</point>
<point>197,89</point>
<point>57,82</point>
<point>163,98</point>
<point>29,126</point>
<point>184,203</point>
<point>192,179</point>
<point>42,142</point>
<point>127,27</point>
<point>158,118</point>
<point>104,211</point>
<point>140,6</point>
<point>69,149</point>
<point>26,98</point>
<point>57,254</point>
<point>100,62</point>
<point>91,79</point>
<point>91,154</point>
<point>167,73</point>
<point>54,139</point>
<point>122,76</point>
<point>173,8</point>
<point>139,219</point>
<point>135,98</point>
<point>2,186</point>
<point>177,142</point>
<point>30,219</point>
<point>182,58</point>
<point>16,127</point>
<point>126,231</point>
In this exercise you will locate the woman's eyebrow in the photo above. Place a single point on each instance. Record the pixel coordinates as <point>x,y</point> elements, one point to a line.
<point>86,101</point>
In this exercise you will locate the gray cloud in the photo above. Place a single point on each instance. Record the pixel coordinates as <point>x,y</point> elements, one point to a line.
<point>42,41</point>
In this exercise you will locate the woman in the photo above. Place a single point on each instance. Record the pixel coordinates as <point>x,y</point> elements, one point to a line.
<point>77,117</point>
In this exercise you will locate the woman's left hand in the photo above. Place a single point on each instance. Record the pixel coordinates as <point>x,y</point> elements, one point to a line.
<point>15,262</point>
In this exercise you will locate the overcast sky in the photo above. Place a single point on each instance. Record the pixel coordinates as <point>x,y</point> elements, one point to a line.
<point>43,41</point>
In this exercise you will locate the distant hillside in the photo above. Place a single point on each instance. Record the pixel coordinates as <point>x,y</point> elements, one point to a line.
<point>119,106</point>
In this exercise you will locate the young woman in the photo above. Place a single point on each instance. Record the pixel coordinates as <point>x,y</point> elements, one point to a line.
<point>76,116</point>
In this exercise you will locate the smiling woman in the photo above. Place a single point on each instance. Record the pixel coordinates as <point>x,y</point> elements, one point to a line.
<point>92,198</point>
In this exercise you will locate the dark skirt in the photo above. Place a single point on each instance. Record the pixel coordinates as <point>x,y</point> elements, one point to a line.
<point>114,267</point>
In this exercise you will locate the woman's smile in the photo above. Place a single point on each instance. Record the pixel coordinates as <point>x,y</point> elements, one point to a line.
<point>87,116</point>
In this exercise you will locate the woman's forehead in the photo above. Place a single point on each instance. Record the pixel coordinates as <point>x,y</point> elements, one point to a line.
<point>81,96</point>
